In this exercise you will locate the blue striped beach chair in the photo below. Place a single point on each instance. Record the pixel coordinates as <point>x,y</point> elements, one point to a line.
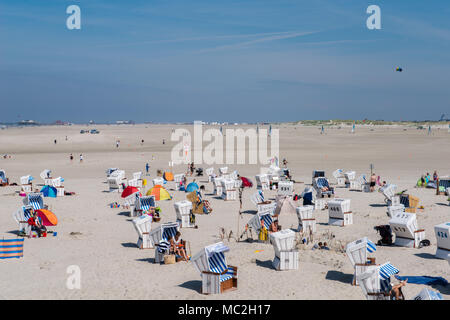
<point>376,281</point>
<point>11,248</point>
<point>143,204</point>
<point>35,200</point>
<point>3,179</point>
<point>160,235</point>
<point>21,216</point>
<point>357,252</point>
<point>217,275</point>
<point>321,182</point>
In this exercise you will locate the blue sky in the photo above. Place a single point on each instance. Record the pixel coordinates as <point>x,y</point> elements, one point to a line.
<point>256,60</point>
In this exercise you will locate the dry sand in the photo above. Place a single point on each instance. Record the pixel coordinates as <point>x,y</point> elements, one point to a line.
<point>113,268</point>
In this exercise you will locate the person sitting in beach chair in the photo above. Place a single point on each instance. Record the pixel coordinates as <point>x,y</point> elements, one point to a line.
<point>178,247</point>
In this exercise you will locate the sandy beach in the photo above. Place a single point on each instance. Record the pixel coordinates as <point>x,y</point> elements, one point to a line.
<point>104,246</point>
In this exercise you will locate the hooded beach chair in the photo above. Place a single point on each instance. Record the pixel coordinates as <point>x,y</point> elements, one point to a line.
<point>349,177</point>
<point>442,232</point>
<point>4,181</point>
<point>317,174</point>
<point>158,181</point>
<point>46,176</point>
<point>35,200</point>
<point>142,205</point>
<point>394,209</point>
<point>58,184</point>
<point>217,275</point>
<point>262,182</point>
<point>261,204</point>
<point>375,282</point>
<point>184,215</point>
<point>285,188</point>
<point>117,181</point>
<point>259,220</point>
<point>223,170</point>
<point>411,203</point>
<point>357,252</point>
<point>217,182</point>
<point>160,237</point>
<point>21,216</point>
<point>178,179</point>
<point>339,213</point>
<point>26,184</point>
<point>319,184</point>
<point>143,225</point>
<point>110,170</point>
<point>359,184</point>
<point>209,172</point>
<point>286,256</point>
<point>229,191</point>
<point>306,220</point>
<point>406,229</point>
<point>338,174</point>
<point>390,198</point>
<point>137,180</point>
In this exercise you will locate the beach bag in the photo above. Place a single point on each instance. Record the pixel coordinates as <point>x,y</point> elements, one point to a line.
<point>169,259</point>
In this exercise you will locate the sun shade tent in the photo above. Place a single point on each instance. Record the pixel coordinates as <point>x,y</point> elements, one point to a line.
<point>357,252</point>
<point>286,256</point>
<point>375,282</point>
<point>192,187</point>
<point>160,237</point>
<point>406,229</point>
<point>49,191</point>
<point>143,225</point>
<point>47,217</point>
<point>217,275</point>
<point>159,192</point>
<point>168,176</point>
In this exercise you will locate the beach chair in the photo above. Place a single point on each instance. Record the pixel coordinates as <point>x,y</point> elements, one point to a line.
<point>136,181</point>
<point>306,220</point>
<point>349,177</point>
<point>209,172</point>
<point>339,213</point>
<point>411,203</point>
<point>262,182</point>
<point>391,199</point>
<point>234,175</point>
<point>223,170</point>
<point>286,256</point>
<point>228,189</point>
<point>160,236</point>
<point>357,252</point>
<point>143,225</point>
<point>217,276</point>
<point>58,184</point>
<point>262,206</point>
<point>285,188</point>
<point>109,171</point>
<point>26,184</point>
<point>21,216</point>
<point>177,179</point>
<point>185,217</point>
<point>442,232</point>
<point>317,174</point>
<point>407,232</point>
<point>158,181</point>
<point>46,176</point>
<point>35,200</point>
<point>394,209</point>
<point>217,182</point>
<point>142,205</point>
<point>319,184</point>
<point>116,181</point>
<point>4,181</point>
<point>259,220</point>
<point>427,294</point>
<point>375,282</point>
<point>338,174</point>
<point>443,185</point>
<point>359,184</point>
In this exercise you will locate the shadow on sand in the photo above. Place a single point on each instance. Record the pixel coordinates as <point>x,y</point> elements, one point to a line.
<point>339,276</point>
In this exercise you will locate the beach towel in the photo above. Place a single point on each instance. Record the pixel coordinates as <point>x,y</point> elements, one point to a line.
<point>424,280</point>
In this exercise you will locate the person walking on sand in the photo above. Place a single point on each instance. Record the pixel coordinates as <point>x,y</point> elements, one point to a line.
<point>71,157</point>
<point>373,181</point>
<point>117,143</point>
<point>81,158</point>
<point>147,167</point>
<point>55,141</point>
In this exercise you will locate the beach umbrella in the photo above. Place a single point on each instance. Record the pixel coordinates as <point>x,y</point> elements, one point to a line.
<point>246,182</point>
<point>49,191</point>
<point>128,191</point>
<point>192,187</point>
<point>48,218</point>
<point>159,193</point>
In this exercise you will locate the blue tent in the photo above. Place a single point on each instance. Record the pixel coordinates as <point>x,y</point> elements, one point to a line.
<point>49,191</point>
<point>192,187</point>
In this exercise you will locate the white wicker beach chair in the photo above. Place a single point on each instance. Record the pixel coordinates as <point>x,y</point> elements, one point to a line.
<point>375,282</point>
<point>442,232</point>
<point>217,275</point>
<point>306,220</point>
<point>339,213</point>
<point>143,225</point>
<point>357,252</point>
<point>262,182</point>
<point>285,188</point>
<point>160,235</point>
<point>229,191</point>
<point>286,256</point>
<point>183,212</point>
<point>21,216</point>
<point>142,205</point>
<point>389,194</point>
<point>406,229</point>
<point>35,200</point>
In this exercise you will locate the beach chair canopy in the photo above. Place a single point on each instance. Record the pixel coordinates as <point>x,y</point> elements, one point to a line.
<point>110,170</point>
<point>144,203</point>
<point>257,197</point>
<point>339,173</point>
<point>388,190</point>
<point>23,214</point>
<point>45,174</point>
<point>3,176</point>
<point>387,270</point>
<point>35,200</point>
<point>357,250</point>
<point>212,258</point>
<point>318,173</point>
<point>26,179</point>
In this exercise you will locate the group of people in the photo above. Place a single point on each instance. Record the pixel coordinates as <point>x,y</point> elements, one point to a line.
<point>178,246</point>
<point>426,178</point>
<point>71,157</point>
